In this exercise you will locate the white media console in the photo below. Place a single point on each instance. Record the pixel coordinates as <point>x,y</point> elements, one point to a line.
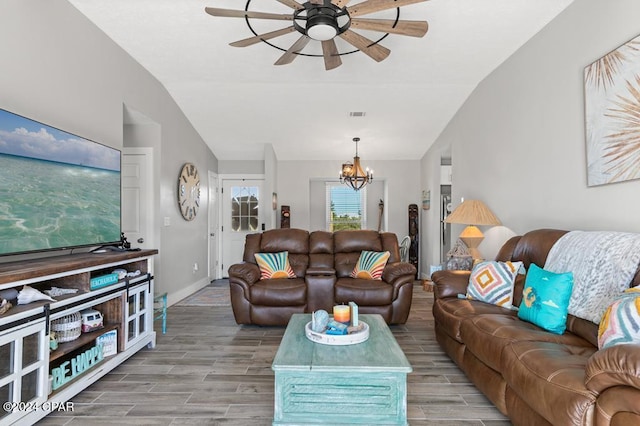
<point>26,360</point>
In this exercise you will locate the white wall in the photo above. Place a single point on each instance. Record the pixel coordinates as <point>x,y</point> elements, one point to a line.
<point>402,178</point>
<point>518,142</point>
<point>58,68</point>
<point>237,167</point>
<point>270,185</point>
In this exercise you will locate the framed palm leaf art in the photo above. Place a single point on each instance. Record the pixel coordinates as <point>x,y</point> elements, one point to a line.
<point>612,115</point>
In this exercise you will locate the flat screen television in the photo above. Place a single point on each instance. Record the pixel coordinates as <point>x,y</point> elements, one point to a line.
<point>57,190</point>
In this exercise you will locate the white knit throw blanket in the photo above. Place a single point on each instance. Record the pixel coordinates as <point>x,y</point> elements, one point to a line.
<point>603,265</point>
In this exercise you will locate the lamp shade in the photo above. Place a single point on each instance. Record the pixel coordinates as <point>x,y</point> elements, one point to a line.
<point>473,212</point>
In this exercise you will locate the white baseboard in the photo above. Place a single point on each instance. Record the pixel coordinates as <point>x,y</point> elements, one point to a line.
<point>173,298</point>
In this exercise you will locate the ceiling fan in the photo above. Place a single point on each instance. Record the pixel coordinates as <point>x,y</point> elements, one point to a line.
<point>323,21</point>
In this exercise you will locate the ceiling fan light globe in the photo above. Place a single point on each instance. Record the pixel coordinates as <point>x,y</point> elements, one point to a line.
<point>322,32</point>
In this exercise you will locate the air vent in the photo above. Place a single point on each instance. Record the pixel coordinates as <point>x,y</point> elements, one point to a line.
<point>357,114</point>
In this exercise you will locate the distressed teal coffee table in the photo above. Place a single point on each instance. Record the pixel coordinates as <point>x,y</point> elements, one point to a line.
<point>364,383</point>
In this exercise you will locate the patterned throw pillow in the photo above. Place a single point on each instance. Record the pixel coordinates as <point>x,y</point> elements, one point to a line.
<point>274,265</point>
<point>492,282</point>
<point>621,321</point>
<point>545,299</point>
<point>370,265</point>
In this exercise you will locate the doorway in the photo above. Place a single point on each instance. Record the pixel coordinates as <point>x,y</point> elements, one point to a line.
<point>137,197</point>
<point>212,260</point>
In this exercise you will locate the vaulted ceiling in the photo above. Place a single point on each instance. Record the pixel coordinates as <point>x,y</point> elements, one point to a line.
<point>238,100</point>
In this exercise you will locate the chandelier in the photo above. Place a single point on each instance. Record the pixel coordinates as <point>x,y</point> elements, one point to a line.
<point>352,173</point>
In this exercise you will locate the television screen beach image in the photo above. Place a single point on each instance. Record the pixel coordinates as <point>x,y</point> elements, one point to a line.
<point>57,190</point>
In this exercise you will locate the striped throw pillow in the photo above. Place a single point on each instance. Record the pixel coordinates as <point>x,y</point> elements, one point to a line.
<point>370,265</point>
<point>274,265</point>
<point>621,321</point>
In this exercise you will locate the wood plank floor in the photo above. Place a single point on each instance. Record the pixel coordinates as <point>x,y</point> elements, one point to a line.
<point>207,370</point>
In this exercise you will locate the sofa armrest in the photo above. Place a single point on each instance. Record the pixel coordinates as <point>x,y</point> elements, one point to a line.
<point>394,272</point>
<point>246,272</point>
<point>450,283</point>
<point>613,366</point>
<point>618,406</point>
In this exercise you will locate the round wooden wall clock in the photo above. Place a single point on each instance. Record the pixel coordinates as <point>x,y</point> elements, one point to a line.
<point>189,191</point>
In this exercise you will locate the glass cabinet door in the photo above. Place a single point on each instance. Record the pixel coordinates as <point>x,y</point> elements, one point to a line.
<point>23,367</point>
<point>138,314</point>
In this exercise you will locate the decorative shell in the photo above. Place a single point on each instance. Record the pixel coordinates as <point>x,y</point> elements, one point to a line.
<point>5,306</point>
<point>30,294</point>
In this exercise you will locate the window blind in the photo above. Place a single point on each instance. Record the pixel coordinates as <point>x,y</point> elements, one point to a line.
<point>345,208</point>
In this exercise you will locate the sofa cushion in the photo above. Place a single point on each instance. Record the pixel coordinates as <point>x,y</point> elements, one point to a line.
<point>534,246</point>
<point>350,241</point>
<point>621,321</point>
<point>299,263</point>
<point>551,378</point>
<point>294,241</point>
<point>363,292</point>
<point>344,263</point>
<point>492,282</point>
<point>487,335</point>
<point>291,240</point>
<point>370,265</point>
<point>274,265</point>
<point>583,328</point>
<point>545,298</point>
<point>450,313</point>
<point>279,292</point>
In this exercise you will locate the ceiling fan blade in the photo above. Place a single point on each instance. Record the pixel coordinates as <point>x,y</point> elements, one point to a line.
<point>293,51</point>
<point>331,56</point>
<point>366,46</point>
<point>408,28</point>
<point>293,4</point>
<point>228,13</point>
<point>340,3</point>
<point>370,6</point>
<point>266,36</point>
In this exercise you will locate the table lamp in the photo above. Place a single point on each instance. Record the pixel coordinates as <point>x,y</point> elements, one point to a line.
<point>472,213</point>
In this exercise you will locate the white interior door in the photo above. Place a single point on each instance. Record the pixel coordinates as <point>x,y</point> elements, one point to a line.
<point>243,203</point>
<point>213,226</point>
<point>137,196</point>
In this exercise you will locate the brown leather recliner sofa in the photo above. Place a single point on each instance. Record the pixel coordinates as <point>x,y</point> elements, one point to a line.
<point>322,262</point>
<point>533,376</point>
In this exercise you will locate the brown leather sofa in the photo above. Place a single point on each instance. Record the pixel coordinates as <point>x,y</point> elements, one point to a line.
<point>533,376</point>
<point>322,262</point>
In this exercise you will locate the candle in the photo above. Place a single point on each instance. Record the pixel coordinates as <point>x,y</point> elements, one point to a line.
<point>341,313</point>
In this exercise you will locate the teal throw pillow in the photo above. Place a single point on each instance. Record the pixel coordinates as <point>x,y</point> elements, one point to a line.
<point>545,298</point>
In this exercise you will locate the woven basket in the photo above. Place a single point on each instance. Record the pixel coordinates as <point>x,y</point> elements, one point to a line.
<point>68,327</point>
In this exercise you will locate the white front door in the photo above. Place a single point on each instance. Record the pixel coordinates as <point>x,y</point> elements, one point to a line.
<point>213,226</point>
<point>137,196</point>
<point>243,203</point>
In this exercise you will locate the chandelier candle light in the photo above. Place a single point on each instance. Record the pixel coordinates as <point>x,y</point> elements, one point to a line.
<point>473,213</point>
<point>352,173</point>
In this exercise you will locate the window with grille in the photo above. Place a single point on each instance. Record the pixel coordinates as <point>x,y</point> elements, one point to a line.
<point>244,208</point>
<point>345,208</point>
